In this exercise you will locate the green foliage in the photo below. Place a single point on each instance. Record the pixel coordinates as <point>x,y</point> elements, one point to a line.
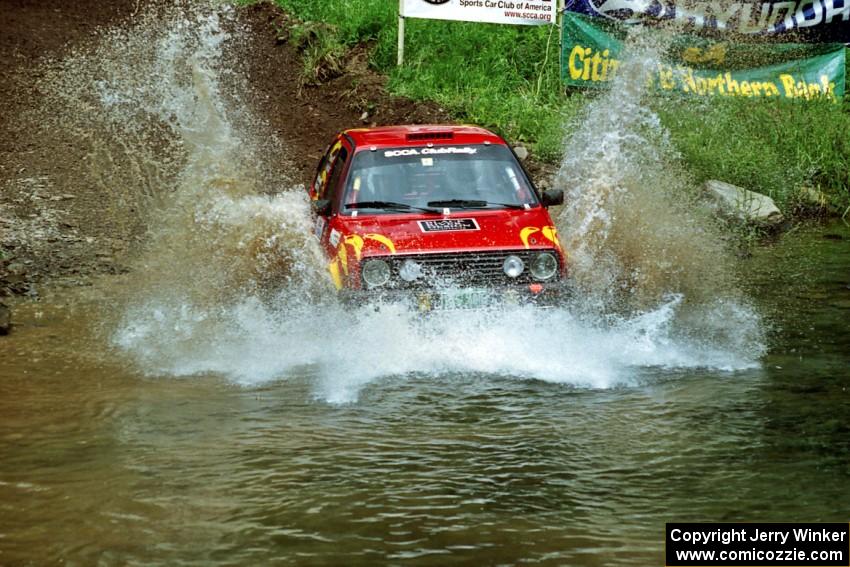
<point>507,78</point>
<point>354,20</point>
<point>322,53</point>
<point>502,77</point>
<point>774,147</point>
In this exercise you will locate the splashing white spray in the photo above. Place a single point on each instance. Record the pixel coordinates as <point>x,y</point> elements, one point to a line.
<point>231,282</point>
<point>347,350</point>
<point>634,224</point>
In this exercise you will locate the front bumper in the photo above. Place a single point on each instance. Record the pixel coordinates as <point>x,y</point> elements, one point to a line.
<point>544,295</point>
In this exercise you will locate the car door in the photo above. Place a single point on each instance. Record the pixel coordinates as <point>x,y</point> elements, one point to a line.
<point>319,192</point>
<point>326,190</point>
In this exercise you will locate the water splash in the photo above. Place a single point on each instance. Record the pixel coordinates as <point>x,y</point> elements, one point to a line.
<point>344,351</point>
<point>634,224</point>
<point>158,99</point>
<point>231,282</point>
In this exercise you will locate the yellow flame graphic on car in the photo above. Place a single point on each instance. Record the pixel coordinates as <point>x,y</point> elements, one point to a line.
<point>333,267</point>
<point>550,233</point>
<point>356,242</point>
<point>526,233</point>
<point>342,256</point>
<point>383,240</point>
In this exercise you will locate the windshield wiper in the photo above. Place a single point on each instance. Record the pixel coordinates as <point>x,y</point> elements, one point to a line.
<point>387,205</point>
<point>472,204</point>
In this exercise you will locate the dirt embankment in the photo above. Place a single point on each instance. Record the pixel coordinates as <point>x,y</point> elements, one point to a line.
<point>48,225</point>
<point>56,228</point>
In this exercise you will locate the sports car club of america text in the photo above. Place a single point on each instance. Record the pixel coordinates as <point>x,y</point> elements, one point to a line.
<point>507,5</point>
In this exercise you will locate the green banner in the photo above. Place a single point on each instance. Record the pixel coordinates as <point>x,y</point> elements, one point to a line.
<point>704,67</point>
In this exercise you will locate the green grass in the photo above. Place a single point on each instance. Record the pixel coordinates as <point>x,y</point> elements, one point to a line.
<point>778,148</point>
<point>502,77</point>
<point>507,78</point>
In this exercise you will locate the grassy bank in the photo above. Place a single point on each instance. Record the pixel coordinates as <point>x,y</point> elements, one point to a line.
<point>507,78</point>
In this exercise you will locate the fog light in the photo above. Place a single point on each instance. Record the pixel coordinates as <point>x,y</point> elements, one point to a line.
<point>376,273</point>
<point>513,266</point>
<point>410,271</point>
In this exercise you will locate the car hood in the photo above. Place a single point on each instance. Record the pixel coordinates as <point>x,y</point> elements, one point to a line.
<point>462,230</point>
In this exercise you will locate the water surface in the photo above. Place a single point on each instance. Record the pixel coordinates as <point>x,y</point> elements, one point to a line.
<point>102,462</point>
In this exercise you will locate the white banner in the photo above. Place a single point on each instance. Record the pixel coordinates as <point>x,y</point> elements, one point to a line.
<point>524,12</point>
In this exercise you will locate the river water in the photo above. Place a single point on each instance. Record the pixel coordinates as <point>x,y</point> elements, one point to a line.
<point>101,463</point>
<point>213,407</point>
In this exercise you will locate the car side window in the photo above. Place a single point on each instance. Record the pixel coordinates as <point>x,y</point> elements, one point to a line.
<point>324,170</point>
<point>331,188</point>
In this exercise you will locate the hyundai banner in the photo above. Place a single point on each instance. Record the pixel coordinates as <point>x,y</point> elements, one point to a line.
<point>794,20</point>
<point>523,12</point>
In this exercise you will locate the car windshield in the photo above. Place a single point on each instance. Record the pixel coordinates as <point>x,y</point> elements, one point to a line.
<point>411,179</point>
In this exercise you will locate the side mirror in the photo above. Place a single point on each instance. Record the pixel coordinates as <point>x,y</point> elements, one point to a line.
<point>552,198</point>
<point>322,207</point>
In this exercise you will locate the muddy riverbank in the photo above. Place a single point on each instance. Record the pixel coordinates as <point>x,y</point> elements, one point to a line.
<point>61,221</point>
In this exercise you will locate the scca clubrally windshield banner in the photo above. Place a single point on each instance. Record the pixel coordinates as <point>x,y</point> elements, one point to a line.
<point>523,12</point>
<point>826,21</point>
<point>711,64</point>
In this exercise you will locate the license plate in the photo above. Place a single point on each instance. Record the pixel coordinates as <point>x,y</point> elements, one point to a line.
<point>461,299</point>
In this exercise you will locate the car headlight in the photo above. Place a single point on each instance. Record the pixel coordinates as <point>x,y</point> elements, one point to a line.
<point>376,273</point>
<point>513,266</point>
<point>544,266</point>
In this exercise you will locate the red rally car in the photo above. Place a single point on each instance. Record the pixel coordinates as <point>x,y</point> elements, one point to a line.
<point>442,216</point>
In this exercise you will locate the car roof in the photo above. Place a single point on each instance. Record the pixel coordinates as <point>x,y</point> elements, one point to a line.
<point>421,135</point>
